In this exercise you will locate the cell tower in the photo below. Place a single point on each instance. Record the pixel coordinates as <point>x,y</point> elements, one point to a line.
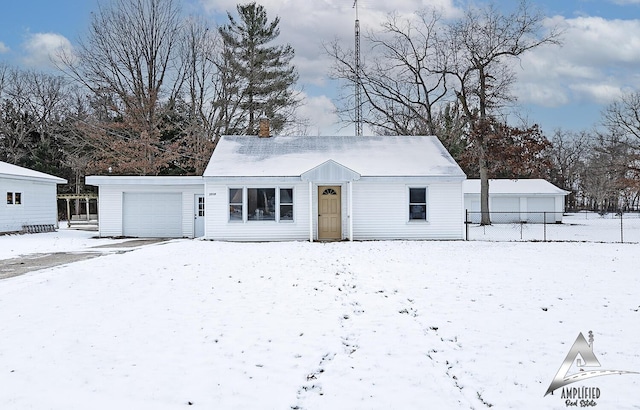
<point>358,94</point>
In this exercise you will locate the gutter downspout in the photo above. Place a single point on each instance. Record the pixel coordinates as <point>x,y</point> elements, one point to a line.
<point>350,211</point>
<point>310,211</point>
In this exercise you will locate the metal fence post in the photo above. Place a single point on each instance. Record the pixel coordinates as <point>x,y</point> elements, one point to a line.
<point>544,223</point>
<point>466,224</point>
<point>621,229</point>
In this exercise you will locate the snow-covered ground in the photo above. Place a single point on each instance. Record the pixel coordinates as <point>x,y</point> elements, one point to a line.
<point>587,227</point>
<point>363,325</point>
<point>64,240</point>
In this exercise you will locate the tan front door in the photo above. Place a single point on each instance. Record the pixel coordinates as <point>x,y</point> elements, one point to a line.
<point>329,218</point>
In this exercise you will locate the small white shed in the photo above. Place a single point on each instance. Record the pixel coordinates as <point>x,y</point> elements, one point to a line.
<point>516,200</point>
<point>150,206</point>
<point>333,188</point>
<point>30,199</point>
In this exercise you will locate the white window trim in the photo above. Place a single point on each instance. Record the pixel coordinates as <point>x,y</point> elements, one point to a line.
<point>245,203</point>
<point>279,205</point>
<point>426,204</point>
<point>244,210</point>
<point>13,199</point>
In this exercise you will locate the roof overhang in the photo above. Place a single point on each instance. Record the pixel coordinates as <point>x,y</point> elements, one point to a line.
<point>98,180</point>
<point>48,179</point>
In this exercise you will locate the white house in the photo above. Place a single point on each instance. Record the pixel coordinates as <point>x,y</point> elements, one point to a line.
<point>30,199</point>
<point>150,207</point>
<point>296,188</point>
<point>332,188</point>
<point>516,200</point>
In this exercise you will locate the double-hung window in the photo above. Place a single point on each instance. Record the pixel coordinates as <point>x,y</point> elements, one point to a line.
<point>286,204</point>
<point>417,204</point>
<point>235,204</point>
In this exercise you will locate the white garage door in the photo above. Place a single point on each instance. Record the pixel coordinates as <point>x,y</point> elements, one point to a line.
<point>505,210</point>
<point>538,206</point>
<point>152,215</point>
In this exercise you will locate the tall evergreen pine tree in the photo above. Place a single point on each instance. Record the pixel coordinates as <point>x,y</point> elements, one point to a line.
<point>263,75</point>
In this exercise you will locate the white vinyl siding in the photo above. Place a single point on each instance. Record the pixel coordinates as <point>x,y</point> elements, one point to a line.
<point>38,204</point>
<point>220,227</point>
<point>380,211</point>
<point>540,206</point>
<point>513,201</point>
<point>520,208</point>
<point>111,201</point>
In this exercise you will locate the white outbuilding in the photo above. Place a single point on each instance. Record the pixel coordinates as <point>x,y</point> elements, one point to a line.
<point>516,200</point>
<point>333,188</point>
<point>30,199</point>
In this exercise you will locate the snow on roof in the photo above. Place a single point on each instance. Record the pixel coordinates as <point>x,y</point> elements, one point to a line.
<point>514,186</point>
<point>14,171</point>
<point>368,156</point>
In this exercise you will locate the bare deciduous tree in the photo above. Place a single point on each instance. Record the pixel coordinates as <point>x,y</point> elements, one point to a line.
<point>33,105</point>
<point>568,153</point>
<point>398,79</point>
<point>199,50</point>
<point>478,49</point>
<point>419,66</point>
<point>130,56</point>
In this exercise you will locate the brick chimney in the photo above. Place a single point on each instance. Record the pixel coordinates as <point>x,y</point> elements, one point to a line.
<point>263,128</point>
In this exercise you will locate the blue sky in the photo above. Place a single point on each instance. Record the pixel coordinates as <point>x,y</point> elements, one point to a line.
<point>563,87</point>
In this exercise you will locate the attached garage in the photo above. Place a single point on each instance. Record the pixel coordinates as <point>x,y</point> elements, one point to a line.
<point>150,207</point>
<point>152,214</point>
<point>516,200</point>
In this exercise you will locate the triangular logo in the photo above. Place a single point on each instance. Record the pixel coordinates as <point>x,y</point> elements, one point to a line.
<point>581,353</point>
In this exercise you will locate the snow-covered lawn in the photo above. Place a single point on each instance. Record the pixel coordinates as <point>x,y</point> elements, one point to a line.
<point>579,227</point>
<point>364,325</point>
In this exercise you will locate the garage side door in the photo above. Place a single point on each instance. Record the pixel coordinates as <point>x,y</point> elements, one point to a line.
<point>152,214</point>
<point>536,207</point>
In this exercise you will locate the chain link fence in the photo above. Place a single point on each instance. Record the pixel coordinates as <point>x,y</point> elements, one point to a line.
<point>555,226</point>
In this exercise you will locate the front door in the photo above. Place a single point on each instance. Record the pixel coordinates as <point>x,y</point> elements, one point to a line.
<point>329,215</point>
<point>198,223</point>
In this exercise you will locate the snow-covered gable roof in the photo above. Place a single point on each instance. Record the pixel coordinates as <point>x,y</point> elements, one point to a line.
<point>284,156</point>
<point>16,172</point>
<point>515,187</point>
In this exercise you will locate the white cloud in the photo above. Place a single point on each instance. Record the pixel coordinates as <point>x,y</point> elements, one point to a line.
<point>3,48</point>
<point>599,59</point>
<point>307,25</point>
<point>624,2</point>
<point>41,49</point>
<point>597,92</point>
<point>321,113</point>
